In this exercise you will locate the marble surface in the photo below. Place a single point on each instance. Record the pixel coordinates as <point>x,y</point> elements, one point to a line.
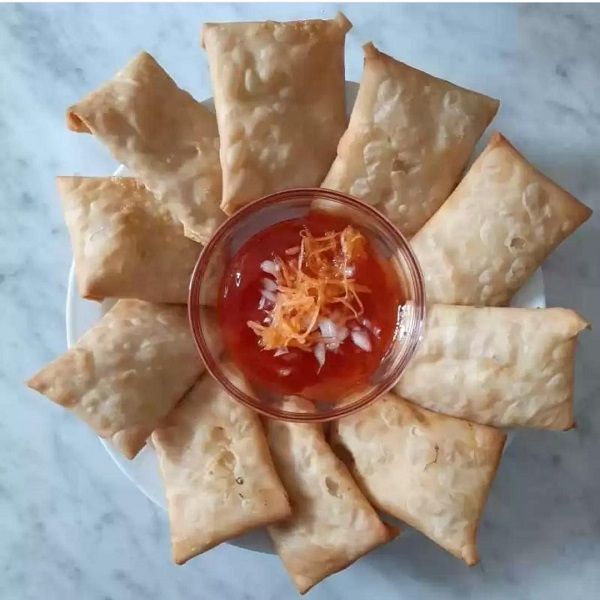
<point>71,526</point>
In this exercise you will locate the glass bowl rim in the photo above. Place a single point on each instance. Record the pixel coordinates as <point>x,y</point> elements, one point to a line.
<point>212,363</point>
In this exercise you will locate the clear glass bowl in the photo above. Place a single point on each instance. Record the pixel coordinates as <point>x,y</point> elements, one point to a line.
<point>267,211</point>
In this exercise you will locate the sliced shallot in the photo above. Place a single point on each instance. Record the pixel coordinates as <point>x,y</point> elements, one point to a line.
<point>270,267</point>
<point>269,284</point>
<point>342,333</point>
<point>270,296</point>
<point>319,352</point>
<point>328,328</point>
<point>361,339</point>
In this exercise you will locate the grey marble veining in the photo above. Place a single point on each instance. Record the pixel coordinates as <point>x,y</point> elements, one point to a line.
<point>71,526</point>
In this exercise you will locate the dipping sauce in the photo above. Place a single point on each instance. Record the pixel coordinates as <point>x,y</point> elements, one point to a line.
<point>308,307</point>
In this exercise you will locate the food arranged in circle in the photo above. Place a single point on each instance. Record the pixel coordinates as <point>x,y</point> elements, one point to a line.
<point>308,307</point>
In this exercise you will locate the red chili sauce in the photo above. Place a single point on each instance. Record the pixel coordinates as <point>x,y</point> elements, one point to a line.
<point>297,371</point>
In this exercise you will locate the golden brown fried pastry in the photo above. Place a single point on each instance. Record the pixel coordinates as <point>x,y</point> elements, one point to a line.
<point>126,244</point>
<point>167,139</point>
<point>332,524</point>
<point>499,366</point>
<point>130,441</point>
<point>218,475</point>
<point>496,228</point>
<point>279,98</point>
<point>408,141</point>
<point>128,370</point>
<point>432,471</point>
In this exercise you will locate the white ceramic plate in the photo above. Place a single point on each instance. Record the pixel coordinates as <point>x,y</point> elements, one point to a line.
<point>82,314</point>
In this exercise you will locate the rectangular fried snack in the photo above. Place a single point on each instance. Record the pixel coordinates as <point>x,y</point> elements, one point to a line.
<point>217,472</point>
<point>128,370</point>
<point>126,244</point>
<point>131,440</point>
<point>279,98</point>
<point>497,227</point>
<point>332,523</point>
<point>499,366</point>
<point>167,140</point>
<point>408,141</point>
<point>431,471</point>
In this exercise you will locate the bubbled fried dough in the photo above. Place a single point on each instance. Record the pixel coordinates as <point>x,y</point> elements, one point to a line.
<point>129,370</point>
<point>166,139</point>
<point>217,471</point>
<point>125,241</point>
<point>409,138</point>
<point>506,367</point>
<point>280,103</point>
<point>431,471</point>
<point>497,227</point>
<point>332,524</point>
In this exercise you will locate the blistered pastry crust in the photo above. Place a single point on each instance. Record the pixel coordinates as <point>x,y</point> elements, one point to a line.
<point>500,366</point>
<point>126,243</point>
<point>279,99</point>
<point>332,524</point>
<point>431,471</point>
<point>494,231</point>
<point>408,141</point>
<point>218,475</point>
<point>167,140</point>
<point>128,370</point>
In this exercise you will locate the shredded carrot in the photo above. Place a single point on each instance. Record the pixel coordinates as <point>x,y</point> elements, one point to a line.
<point>315,281</point>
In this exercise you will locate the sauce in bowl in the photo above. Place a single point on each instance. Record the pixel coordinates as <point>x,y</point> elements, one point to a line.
<point>308,306</point>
